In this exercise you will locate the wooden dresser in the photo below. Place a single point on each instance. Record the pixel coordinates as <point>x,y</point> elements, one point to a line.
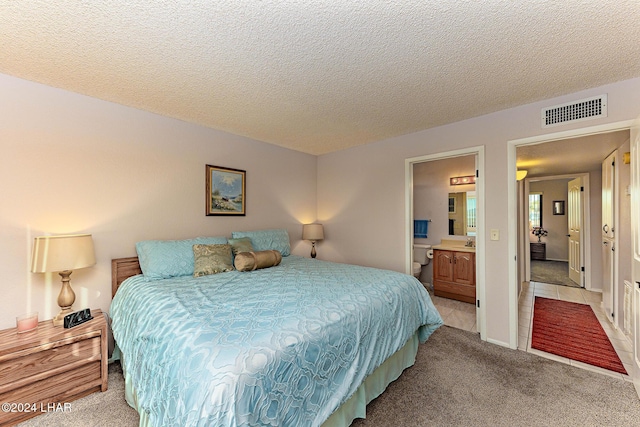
<point>538,251</point>
<point>454,275</point>
<point>42,370</point>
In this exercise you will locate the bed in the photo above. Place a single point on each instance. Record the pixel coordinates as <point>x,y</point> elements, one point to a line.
<point>303,343</point>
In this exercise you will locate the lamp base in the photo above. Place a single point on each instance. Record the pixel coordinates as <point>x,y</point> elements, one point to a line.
<point>59,319</point>
<point>313,249</point>
<point>66,298</point>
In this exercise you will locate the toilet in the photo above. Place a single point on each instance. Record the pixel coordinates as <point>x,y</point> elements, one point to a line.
<point>421,257</point>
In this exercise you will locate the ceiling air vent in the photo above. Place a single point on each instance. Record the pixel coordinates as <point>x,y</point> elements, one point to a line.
<point>585,109</point>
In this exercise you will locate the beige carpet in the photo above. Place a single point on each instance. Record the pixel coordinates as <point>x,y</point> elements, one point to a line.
<point>553,272</point>
<point>97,409</point>
<point>457,380</point>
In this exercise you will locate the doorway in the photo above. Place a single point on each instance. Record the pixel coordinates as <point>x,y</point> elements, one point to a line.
<point>557,205</point>
<point>569,159</point>
<point>478,154</point>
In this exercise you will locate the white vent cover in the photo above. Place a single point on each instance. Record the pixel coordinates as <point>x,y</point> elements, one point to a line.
<point>585,109</point>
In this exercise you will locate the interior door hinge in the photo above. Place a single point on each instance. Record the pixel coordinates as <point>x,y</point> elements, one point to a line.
<point>478,303</point>
<point>582,268</point>
<point>581,188</point>
<point>477,174</point>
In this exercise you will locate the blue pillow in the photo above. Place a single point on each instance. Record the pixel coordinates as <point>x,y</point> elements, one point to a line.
<point>161,259</point>
<point>264,240</point>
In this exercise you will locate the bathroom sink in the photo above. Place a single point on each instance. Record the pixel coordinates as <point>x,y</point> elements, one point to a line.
<point>454,245</point>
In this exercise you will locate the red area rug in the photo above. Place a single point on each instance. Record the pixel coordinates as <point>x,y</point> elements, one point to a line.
<point>573,331</point>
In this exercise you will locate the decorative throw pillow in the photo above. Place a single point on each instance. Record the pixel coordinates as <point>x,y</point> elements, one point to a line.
<point>243,244</point>
<point>249,261</point>
<point>264,240</point>
<point>211,259</point>
<point>161,259</point>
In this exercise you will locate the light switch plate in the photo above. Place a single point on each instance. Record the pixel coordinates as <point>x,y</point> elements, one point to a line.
<point>495,234</point>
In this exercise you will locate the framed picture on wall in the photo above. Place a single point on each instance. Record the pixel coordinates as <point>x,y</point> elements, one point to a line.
<point>558,207</point>
<point>225,191</point>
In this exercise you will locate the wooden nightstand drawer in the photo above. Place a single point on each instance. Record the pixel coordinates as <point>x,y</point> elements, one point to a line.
<point>56,389</point>
<point>42,362</point>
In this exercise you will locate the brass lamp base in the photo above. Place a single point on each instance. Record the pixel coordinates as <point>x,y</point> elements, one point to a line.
<point>66,298</point>
<point>59,319</point>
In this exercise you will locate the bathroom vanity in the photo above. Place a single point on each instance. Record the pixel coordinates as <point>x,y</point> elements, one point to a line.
<point>454,271</point>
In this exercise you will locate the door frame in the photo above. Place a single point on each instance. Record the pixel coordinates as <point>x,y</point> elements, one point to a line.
<point>512,206</point>
<point>477,151</point>
<point>585,238</point>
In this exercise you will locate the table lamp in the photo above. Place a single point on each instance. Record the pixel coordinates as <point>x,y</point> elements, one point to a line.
<point>63,254</point>
<point>312,233</point>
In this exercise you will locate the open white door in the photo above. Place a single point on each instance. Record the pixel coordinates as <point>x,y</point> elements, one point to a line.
<point>608,240</point>
<point>635,230</point>
<point>574,211</point>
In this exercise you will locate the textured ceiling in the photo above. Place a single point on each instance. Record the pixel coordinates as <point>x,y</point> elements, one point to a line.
<point>319,76</point>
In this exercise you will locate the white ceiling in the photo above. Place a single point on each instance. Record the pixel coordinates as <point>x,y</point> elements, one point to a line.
<point>324,75</point>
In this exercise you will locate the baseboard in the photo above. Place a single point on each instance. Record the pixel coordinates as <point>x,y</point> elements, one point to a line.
<point>500,343</point>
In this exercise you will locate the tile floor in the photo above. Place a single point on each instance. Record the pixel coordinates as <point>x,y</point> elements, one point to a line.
<point>525,310</point>
<point>457,314</point>
<point>463,316</point>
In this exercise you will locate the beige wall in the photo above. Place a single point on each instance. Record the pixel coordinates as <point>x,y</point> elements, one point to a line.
<point>361,190</point>
<point>71,163</point>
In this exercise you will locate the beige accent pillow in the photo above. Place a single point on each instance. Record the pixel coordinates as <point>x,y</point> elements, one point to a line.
<point>211,259</point>
<point>249,261</point>
<point>241,244</point>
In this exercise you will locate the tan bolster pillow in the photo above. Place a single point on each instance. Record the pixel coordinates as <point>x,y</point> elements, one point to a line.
<point>249,261</point>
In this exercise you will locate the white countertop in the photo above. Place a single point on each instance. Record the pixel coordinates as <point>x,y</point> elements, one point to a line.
<point>454,245</point>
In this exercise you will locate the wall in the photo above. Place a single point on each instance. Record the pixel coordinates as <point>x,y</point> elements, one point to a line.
<point>557,245</point>
<point>361,190</point>
<point>73,164</point>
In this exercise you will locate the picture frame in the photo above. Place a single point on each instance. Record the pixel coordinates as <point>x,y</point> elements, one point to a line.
<point>225,191</point>
<point>558,207</point>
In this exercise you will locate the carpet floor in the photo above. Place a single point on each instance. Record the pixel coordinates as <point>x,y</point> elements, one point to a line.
<point>457,380</point>
<point>573,331</point>
<point>554,272</point>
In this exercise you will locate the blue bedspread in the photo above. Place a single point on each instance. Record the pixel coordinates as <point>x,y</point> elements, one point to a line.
<point>282,346</point>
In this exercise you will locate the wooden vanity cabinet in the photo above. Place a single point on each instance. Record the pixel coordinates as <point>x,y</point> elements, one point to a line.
<point>454,275</point>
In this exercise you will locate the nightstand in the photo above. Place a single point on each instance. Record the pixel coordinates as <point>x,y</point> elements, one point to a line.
<point>51,366</point>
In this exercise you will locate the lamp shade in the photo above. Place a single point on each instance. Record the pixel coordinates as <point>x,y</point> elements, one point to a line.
<point>61,253</point>
<point>312,232</point>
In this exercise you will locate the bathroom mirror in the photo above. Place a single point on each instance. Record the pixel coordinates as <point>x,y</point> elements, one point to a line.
<point>462,213</point>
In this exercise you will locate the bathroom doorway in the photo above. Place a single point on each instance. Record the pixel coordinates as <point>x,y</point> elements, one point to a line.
<point>431,187</point>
